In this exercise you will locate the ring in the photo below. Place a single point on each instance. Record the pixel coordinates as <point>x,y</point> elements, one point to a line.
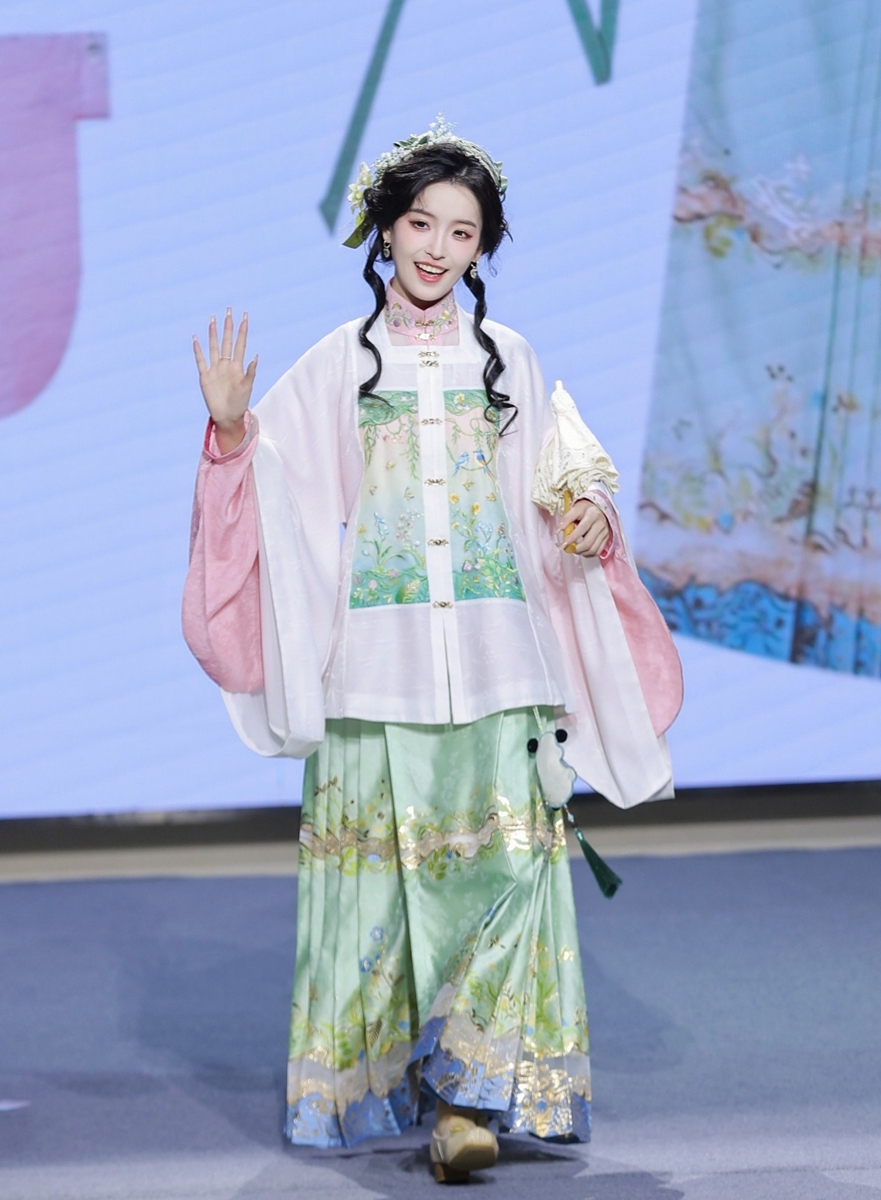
<point>226,358</point>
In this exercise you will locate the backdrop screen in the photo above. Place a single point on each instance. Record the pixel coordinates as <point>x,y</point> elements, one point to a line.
<point>694,199</point>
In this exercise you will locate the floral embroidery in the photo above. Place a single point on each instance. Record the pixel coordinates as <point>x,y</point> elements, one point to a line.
<point>376,1020</point>
<point>389,560</point>
<point>389,564</point>
<point>483,556</point>
<point>441,319</point>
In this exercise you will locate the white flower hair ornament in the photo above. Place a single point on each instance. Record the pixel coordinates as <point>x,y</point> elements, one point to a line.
<point>439,133</point>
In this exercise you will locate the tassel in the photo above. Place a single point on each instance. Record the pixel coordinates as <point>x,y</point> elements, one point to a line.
<point>608,881</point>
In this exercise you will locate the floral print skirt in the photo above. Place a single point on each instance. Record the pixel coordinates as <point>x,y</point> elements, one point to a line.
<point>437,951</point>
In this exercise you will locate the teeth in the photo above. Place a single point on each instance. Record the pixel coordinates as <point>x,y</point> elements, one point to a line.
<point>430,270</point>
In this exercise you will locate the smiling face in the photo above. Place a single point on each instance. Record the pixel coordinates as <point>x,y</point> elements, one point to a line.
<point>435,242</point>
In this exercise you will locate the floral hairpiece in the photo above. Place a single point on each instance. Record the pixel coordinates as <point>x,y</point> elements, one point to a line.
<point>439,133</point>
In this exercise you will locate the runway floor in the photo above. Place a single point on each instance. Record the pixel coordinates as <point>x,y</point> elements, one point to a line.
<point>734,1010</point>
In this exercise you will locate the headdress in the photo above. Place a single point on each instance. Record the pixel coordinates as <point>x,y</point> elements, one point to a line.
<point>439,133</point>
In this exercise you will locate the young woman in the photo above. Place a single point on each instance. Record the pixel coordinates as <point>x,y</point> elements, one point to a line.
<point>374,588</point>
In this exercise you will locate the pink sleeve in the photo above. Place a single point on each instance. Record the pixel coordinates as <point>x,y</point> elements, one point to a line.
<point>221,603</point>
<point>651,646</point>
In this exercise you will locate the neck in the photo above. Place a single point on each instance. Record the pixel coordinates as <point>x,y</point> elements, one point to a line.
<point>398,287</point>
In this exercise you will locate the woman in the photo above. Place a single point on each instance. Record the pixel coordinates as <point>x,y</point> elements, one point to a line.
<point>374,588</point>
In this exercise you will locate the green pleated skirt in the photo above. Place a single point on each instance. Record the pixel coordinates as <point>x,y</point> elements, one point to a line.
<point>437,950</point>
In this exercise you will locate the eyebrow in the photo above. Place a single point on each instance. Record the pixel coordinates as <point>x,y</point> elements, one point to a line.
<point>426,213</point>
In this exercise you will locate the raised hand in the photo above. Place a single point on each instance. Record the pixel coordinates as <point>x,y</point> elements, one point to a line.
<point>226,384</point>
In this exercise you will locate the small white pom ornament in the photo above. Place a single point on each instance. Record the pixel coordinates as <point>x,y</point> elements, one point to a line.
<point>555,777</point>
<point>557,782</point>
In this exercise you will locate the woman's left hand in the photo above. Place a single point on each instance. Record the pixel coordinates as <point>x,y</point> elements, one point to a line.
<point>592,530</point>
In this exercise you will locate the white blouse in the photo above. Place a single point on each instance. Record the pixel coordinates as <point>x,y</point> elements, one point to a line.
<point>407,576</point>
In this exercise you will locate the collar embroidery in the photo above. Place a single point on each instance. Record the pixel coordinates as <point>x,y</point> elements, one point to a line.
<point>423,325</point>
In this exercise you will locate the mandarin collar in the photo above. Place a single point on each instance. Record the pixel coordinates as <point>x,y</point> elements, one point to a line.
<point>420,324</point>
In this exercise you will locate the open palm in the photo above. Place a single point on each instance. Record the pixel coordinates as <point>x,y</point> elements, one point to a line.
<point>226,383</point>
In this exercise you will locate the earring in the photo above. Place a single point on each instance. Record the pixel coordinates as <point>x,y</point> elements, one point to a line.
<point>386,250</point>
<point>473,271</point>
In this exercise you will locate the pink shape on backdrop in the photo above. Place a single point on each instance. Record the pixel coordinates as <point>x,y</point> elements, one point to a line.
<point>47,84</point>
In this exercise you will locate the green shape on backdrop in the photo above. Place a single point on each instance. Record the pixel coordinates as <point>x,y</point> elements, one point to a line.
<point>598,43</point>
<point>342,171</point>
<point>598,46</point>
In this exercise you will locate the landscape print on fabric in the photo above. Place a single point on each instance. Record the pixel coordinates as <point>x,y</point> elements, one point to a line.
<point>483,556</point>
<point>389,562</point>
<point>760,513</point>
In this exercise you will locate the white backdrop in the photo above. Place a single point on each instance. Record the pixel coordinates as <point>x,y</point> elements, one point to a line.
<point>201,189</point>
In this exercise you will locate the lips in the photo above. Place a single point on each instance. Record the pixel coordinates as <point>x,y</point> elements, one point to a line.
<point>429,274</point>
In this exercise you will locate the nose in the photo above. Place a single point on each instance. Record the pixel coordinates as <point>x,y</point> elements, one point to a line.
<point>435,248</point>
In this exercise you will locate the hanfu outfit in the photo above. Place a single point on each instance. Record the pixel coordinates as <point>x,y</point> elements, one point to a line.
<point>374,589</point>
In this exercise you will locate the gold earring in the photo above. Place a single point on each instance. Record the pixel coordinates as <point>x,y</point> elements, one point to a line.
<point>386,250</point>
<point>473,271</point>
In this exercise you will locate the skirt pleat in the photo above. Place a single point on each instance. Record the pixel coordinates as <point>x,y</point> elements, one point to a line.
<point>437,950</point>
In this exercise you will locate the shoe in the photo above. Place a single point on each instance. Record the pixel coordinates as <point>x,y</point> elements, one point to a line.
<point>461,1143</point>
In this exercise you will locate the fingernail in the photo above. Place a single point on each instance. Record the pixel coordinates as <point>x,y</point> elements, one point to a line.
<point>244,316</point>
<point>228,311</point>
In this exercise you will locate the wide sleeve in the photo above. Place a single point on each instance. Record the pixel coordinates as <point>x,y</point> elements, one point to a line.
<point>221,601</point>
<point>608,638</point>
<point>305,466</point>
<point>651,645</point>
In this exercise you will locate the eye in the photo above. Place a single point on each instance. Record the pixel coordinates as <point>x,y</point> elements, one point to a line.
<point>419,224</point>
<point>463,234</point>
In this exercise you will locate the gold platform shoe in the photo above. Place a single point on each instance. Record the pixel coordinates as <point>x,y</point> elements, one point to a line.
<point>461,1143</point>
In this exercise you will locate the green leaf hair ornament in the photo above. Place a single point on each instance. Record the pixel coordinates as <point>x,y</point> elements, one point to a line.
<point>439,133</point>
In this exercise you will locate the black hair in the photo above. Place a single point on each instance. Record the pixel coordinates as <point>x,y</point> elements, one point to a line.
<point>395,195</point>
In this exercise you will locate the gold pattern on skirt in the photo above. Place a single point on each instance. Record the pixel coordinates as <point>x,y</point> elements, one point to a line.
<point>465,841</point>
<point>436,944</point>
<point>308,1077</point>
<point>543,1090</point>
<point>331,846</point>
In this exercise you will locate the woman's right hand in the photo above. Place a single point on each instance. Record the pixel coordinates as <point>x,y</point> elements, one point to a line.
<point>226,385</point>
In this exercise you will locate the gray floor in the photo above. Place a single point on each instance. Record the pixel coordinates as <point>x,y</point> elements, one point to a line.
<point>734,1005</point>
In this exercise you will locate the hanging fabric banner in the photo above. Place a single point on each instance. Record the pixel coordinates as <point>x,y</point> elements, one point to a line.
<point>760,520</point>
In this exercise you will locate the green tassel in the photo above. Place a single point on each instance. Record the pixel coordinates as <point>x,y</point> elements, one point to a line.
<point>608,881</point>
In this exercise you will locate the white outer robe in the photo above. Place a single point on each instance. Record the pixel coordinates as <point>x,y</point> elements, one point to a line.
<point>431,663</point>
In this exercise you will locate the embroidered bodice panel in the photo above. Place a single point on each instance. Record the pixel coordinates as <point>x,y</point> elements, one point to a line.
<point>467,537</point>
